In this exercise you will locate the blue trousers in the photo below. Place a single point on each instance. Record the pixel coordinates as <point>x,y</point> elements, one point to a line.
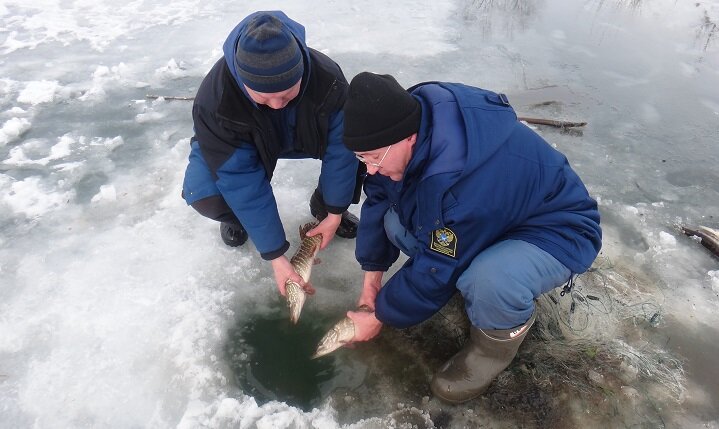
<point>501,283</point>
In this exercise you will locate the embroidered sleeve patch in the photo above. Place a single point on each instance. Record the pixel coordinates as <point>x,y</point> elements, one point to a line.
<point>444,241</point>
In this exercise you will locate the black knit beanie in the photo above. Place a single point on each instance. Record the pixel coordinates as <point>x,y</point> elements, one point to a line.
<point>378,113</point>
<point>268,58</point>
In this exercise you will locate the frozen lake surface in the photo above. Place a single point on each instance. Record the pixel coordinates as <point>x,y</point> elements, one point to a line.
<point>120,307</point>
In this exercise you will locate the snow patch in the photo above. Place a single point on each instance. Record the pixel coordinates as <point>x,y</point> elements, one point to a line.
<point>38,92</point>
<point>12,129</point>
<point>173,70</point>
<point>31,198</point>
<point>667,240</point>
<point>106,193</point>
<point>714,279</point>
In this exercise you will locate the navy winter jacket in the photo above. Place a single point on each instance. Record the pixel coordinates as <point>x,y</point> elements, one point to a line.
<point>481,174</point>
<point>239,142</point>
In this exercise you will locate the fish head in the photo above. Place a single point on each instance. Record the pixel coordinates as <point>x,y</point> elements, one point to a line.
<point>340,334</point>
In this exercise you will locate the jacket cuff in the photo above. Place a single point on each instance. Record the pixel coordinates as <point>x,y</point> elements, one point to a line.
<point>268,256</point>
<point>374,267</point>
<point>336,210</point>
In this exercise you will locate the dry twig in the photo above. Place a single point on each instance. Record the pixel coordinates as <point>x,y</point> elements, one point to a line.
<point>552,122</point>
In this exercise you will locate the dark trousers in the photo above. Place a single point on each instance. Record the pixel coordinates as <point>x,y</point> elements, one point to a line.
<point>216,208</point>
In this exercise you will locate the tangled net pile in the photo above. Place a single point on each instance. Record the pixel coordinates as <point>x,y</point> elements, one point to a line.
<point>596,352</point>
<point>605,324</point>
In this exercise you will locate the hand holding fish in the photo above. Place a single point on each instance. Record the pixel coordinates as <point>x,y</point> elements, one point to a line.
<point>301,266</point>
<point>370,288</point>
<point>366,324</point>
<point>360,325</point>
<point>284,273</point>
<point>327,228</point>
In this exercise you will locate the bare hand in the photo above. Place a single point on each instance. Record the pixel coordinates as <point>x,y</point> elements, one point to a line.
<point>328,228</point>
<point>284,271</point>
<point>370,288</point>
<point>367,326</point>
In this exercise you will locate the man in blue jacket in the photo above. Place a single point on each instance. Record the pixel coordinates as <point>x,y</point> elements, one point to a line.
<point>480,204</point>
<point>270,97</point>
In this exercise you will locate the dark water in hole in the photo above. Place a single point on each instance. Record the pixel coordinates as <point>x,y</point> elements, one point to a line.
<point>270,360</point>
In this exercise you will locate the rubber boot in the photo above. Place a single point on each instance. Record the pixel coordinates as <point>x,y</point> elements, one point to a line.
<point>233,234</point>
<point>486,354</point>
<point>348,224</point>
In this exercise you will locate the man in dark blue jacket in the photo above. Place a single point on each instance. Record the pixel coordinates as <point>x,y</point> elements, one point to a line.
<point>479,203</point>
<point>270,97</point>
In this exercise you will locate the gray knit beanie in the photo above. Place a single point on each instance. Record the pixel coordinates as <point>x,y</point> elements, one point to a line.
<point>268,57</point>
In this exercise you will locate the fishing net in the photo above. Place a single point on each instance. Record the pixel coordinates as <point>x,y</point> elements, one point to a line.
<point>593,356</point>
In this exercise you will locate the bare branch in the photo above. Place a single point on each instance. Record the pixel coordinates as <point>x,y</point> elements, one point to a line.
<point>552,122</point>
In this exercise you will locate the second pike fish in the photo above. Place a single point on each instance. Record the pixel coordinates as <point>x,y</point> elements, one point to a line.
<point>340,334</point>
<point>302,262</point>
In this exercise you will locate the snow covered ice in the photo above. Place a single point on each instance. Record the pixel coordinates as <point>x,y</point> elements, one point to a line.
<point>117,301</point>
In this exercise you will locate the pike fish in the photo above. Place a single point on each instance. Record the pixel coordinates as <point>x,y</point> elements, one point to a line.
<point>340,334</point>
<point>709,237</point>
<point>302,262</point>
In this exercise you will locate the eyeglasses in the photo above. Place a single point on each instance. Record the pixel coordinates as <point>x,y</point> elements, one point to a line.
<point>373,164</point>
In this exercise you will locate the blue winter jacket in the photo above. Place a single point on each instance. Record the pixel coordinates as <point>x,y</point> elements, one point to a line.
<point>239,165</point>
<point>481,175</point>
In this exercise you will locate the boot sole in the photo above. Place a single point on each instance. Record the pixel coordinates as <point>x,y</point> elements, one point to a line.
<point>233,244</point>
<point>455,401</point>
